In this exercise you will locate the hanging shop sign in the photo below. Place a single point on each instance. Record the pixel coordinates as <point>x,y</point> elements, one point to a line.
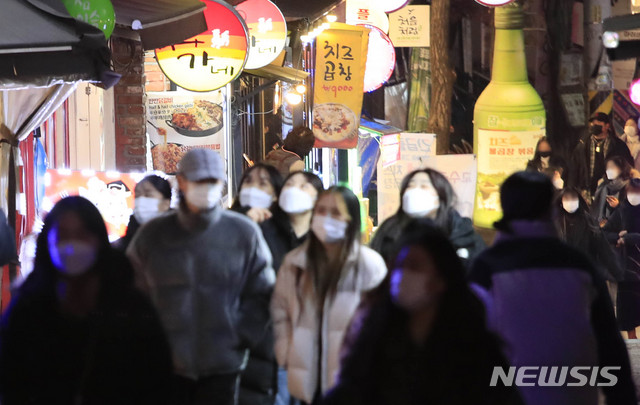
<point>494,3</point>
<point>366,12</point>
<point>381,59</point>
<point>110,192</point>
<point>180,121</point>
<point>99,13</point>
<point>409,27</point>
<point>389,6</point>
<point>212,59</point>
<point>267,31</point>
<point>341,57</point>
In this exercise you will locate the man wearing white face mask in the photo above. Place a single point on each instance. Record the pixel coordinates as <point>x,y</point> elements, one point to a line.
<point>209,273</point>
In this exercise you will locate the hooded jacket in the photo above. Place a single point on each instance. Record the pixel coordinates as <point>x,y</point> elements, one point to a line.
<point>306,345</point>
<point>551,308</point>
<point>210,278</point>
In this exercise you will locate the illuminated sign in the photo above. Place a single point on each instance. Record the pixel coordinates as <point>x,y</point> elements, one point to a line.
<point>494,3</point>
<point>409,27</point>
<point>381,59</point>
<point>212,59</point>
<point>267,31</point>
<point>389,6</point>
<point>360,12</point>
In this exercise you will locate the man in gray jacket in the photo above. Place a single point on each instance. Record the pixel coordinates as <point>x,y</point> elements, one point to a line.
<point>208,271</point>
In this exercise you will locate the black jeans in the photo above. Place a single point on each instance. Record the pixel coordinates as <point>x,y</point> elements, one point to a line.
<point>221,389</point>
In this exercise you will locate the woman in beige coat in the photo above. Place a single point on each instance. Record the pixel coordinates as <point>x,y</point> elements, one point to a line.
<point>318,289</point>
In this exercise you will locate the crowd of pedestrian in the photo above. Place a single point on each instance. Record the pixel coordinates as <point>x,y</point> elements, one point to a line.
<point>278,301</point>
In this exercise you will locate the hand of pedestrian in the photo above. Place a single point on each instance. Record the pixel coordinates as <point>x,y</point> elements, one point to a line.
<point>259,215</point>
<point>613,201</point>
<point>622,233</point>
<point>620,242</point>
<point>603,222</point>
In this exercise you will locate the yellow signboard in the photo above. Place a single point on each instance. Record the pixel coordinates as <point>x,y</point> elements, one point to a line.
<point>341,58</point>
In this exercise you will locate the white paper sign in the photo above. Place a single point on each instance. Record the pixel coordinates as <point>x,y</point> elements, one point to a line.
<point>409,26</point>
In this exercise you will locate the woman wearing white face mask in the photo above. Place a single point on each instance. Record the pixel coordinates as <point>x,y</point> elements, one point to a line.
<point>403,346</point>
<point>426,193</point>
<point>623,230</point>
<point>258,192</point>
<point>611,189</point>
<point>578,228</point>
<point>318,289</point>
<point>153,198</point>
<point>631,138</point>
<point>95,332</point>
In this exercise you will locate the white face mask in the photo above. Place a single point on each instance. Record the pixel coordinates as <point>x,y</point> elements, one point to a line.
<point>328,229</point>
<point>558,183</point>
<point>631,131</point>
<point>613,174</point>
<point>634,199</point>
<point>570,206</point>
<point>74,257</point>
<point>255,198</point>
<point>408,289</point>
<point>203,196</point>
<point>419,203</point>
<point>295,201</point>
<point>545,161</point>
<point>145,209</point>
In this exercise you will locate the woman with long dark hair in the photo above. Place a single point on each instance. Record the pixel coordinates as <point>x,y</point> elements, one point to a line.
<point>421,337</point>
<point>611,189</point>
<point>544,157</point>
<point>258,192</point>
<point>578,228</point>
<point>77,331</point>
<point>318,289</point>
<point>426,193</point>
<point>153,198</point>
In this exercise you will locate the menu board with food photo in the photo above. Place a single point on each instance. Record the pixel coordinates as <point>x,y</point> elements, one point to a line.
<point>177,122</point>
<point>341,56</point>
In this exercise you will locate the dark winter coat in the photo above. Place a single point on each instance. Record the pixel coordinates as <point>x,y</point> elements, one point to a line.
<point>118,354</point>
<point>460,230</point>
<point>382,365</point>
<point>590,240</point>
<point>626,218</point>
<point>280,237</point>
<point>7,241</point>
<point>600,210</point>
<point>551,307</point>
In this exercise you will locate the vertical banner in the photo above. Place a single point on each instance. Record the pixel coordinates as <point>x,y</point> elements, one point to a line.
<point>341,57</point>
<point>420,90</point>
<point>181,121</point>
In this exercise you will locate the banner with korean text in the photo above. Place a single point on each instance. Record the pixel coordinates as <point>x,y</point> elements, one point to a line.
<point>341,57</point>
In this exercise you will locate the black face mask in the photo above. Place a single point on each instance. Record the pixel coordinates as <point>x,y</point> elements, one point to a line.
<point>595,129</point>
<point>544,154</point>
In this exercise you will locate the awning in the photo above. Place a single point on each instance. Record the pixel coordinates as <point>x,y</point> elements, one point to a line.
<point>275,72</point>
<point>41,44</point>
<point>161,22</point>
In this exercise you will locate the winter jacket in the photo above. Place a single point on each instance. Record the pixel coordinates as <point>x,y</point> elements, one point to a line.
<point>600,209</point>
<point>118,354</point>
<point>460,230</point>
<point>282,160</point>
<point>551,308</point>
<point>626,218</point>
<point>7,241</point>
<point>210,277</point>
<point>280,237</point>
<point>382,365</point>
<point>308,345</point>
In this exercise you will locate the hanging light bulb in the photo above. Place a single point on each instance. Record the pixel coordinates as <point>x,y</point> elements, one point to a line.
<point>301,88</point>
<point>293,98</point>
<point>332,18</point>
<point>634,91</point>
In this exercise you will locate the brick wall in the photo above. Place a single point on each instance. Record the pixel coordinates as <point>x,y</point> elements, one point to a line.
<point>155,79</point>
<point>130,114</point>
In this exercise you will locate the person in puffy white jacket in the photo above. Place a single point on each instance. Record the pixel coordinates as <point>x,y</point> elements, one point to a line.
<point>318,289</point>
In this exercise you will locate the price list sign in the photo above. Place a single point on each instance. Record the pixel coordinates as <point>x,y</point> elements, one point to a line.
<point>267,31</point>
<point>341,57</point>
<point>212,59</point>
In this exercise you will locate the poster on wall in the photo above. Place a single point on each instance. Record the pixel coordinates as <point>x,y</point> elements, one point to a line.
<point>341,57</point>
<point>180,121</point>
<point>111,192</point>
<point>409,27</point>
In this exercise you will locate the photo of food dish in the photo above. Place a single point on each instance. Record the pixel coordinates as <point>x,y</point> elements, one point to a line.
<point>333,122</point>
<point>166,157</point>
<point>204,118</point>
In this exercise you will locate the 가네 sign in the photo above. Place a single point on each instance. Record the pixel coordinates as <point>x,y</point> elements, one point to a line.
<point>267,31</point>
<point>212,59</point>
<point>341,57</point>
<point>409,27</point>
